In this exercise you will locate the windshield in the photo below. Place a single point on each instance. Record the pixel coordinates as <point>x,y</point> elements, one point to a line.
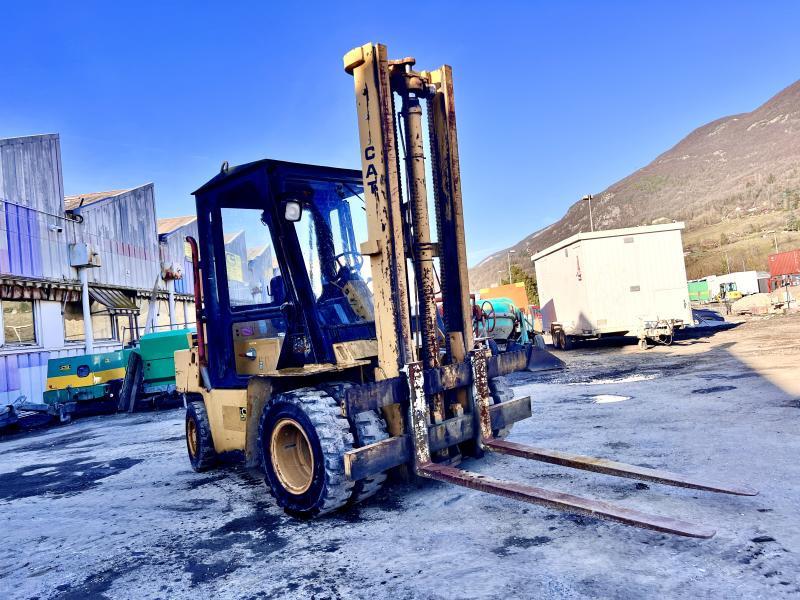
<point>332,227</point>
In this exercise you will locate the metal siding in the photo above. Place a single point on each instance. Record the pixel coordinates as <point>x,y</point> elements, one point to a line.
<point>173,253</point>
<point>23,375</point>
<point>30,176</point>
<point>239,290</point>
<point>122,229</point>
<point>259,273</point>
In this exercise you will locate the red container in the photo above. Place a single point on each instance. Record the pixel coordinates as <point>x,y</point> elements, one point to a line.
<point>784,263</point>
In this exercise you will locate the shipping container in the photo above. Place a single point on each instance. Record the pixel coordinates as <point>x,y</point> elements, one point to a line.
<point>616,282</point>
<point>784,263</point>
<point>698,290</point>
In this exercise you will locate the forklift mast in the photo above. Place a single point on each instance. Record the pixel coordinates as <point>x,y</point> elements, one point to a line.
<point>400,229</point>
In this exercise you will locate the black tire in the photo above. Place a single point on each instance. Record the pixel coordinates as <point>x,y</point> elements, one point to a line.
<point>556,335</point>
<point>567,341</point>
<point>317,417</point>
<point>367,428</point>
<point>132,383</point>
<point>199,443</point>
<point>501,391</point>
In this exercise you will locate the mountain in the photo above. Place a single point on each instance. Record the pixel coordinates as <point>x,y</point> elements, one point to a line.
<point>735,182</point>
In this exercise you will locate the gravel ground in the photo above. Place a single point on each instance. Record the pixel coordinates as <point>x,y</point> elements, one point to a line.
<point>108,506</point>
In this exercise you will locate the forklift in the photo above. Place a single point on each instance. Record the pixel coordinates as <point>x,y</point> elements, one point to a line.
<point>341,368</point>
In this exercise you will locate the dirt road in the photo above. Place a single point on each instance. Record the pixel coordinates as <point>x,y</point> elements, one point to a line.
<point>108,507</point>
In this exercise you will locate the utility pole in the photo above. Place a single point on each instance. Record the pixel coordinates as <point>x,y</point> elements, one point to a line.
<point>508,256</point>
<point>591,221</point>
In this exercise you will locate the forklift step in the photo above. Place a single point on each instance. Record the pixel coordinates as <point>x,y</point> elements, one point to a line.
<point>566,502</point>
<point>610,467</point>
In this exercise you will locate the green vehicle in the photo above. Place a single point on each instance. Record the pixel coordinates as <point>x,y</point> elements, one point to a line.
<point>88,383</point>
<point>113,381</point>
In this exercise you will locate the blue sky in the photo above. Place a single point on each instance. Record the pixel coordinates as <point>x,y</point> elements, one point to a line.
<point>554,100</point>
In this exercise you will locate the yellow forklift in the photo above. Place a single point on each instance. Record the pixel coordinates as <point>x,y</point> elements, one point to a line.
<point>337,367</point>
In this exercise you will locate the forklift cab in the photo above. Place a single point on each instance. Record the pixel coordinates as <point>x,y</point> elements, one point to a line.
<point>284,279</point>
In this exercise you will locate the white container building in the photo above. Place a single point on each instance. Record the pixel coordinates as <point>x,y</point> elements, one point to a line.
<point>744,282</point>
<point>616,282</point>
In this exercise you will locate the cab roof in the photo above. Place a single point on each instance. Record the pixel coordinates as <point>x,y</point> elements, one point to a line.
<point>301,169</point>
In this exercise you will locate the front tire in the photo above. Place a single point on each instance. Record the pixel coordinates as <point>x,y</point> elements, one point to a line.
<point>303,438</point>
<point>199,443</point>
<point>367,427</point>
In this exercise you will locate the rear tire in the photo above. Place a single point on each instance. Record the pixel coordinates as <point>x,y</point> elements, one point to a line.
<point>303,438</point>
<point>199,443</point>
<point>501,391</point>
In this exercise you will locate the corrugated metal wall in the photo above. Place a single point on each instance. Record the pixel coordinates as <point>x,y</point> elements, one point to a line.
<point>259,273</point>
<point>31,202</point>
<point>236,258</point>
<point>122,229</point>
<point>174,252</point>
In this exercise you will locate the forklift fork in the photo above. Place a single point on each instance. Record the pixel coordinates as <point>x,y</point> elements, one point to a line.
<point>536,495</point>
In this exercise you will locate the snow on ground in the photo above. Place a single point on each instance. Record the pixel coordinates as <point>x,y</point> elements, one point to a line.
<point>108,506</point>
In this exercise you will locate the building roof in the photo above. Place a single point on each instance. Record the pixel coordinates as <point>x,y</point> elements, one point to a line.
<point>27,139</point>
<point>229,237</point>
<point>256,252</point>
<point>606,233</point>
<point>171,224</point>
<point>73,202</point>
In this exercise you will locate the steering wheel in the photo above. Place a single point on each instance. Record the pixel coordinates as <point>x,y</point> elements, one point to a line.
<point>345,258</point>
<point>486,315</point>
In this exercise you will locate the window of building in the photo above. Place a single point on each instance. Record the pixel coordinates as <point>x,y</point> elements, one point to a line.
<point>18,323</point>
<point>73,322</point>
<point>101,322</point>
<point>102,328</point>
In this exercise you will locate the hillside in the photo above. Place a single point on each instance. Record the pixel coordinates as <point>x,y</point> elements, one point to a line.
<point>734,181</point>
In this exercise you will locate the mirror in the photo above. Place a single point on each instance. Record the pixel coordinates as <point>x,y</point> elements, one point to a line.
<point>292,210</point>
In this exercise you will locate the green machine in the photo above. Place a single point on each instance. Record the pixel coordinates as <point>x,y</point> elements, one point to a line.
<point>150,374</point>
<point>508,329</point>
<point>112,381</point>
<point>84,383</point>
<point>158,357</point>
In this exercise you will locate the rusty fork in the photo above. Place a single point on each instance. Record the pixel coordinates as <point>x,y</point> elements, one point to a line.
<point>550,498</point>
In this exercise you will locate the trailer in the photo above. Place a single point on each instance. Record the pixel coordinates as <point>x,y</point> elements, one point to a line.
<point>615,282</point>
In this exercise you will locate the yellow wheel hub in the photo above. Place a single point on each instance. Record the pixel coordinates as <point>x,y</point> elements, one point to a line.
<point>291,456</point>
<point>192,437</point>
